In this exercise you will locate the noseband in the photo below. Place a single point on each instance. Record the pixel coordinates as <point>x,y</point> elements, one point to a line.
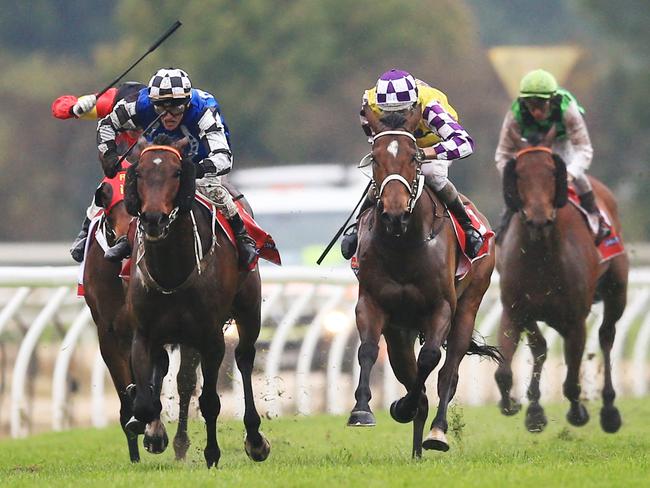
<point>417,185</point>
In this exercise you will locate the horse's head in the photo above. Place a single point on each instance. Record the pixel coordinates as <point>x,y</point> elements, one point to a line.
<point>396,164</point>
<point>535,184</point>
<point>160,186</point>
<point>109,196</point>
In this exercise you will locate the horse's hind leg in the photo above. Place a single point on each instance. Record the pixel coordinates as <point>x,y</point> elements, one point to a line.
<point>574,347</point>
<point>509,334</point>
<point>247,316</point>
<point>535,417</point>
<point>399,343</point>
<point>186,384</point>
<point>370,322</point>
<point>116,358</point>
<point>614,292</point>
<point>211,357</point>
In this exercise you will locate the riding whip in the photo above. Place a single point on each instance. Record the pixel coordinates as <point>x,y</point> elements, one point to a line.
<point>153,47</point>
<point>342,229</point>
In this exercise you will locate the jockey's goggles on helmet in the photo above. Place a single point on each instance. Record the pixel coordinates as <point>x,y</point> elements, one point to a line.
<point>173,107</point>
<point>536,103</point>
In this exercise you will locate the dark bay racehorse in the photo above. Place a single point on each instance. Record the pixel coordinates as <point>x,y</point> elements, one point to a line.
<point>407,261</point>
<point>105,295</point>
<point>186,285</point>
<point>550,270</point>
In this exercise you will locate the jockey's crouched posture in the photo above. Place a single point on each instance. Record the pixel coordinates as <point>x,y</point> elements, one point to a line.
<point>186,112</point>
<point>440,136</point>
<point>540,106</point>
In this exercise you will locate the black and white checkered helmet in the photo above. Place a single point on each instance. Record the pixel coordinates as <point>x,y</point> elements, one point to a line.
<point>170,84</point>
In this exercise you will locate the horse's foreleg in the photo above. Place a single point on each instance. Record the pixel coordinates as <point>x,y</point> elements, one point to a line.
<point>142,364</point>
<point>370,322</point>
<point>535,417</point>
<point>574,347</point>
<point>155,435</point>
<point>509,334</point>
<point>186,384</point>
<point>211,357</point>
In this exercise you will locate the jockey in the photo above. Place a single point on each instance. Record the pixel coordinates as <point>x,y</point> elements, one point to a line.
<point>541,105</point>
<point>186,112</point>
<point>440,136</point>
<point>93,107</point>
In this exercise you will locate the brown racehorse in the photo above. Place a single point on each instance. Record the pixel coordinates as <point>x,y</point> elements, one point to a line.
<point>407,260</point>
<point>550,270</point>
<point>105,296</point>
<point>185,286</point>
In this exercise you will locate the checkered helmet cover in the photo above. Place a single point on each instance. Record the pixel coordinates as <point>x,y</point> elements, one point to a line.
<point>170,83</point>
<point>396,90</point>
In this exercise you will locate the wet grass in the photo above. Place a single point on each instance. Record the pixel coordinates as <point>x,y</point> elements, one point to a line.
<point>487,449</point>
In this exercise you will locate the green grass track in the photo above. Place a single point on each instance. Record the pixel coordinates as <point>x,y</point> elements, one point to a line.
<point>487,449</point>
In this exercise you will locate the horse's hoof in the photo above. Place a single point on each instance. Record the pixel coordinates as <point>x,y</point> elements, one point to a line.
<point>535,418</point>
<point>398,413</point>
<point>260,452</point>
<point>134,426</point>
<point>509,408</point>
<point>436,440</point>
<point>211,456</point>
<point>361,418</point>
<point>181,445</point>
<point>610,419</point>
<point>155,438</point>
<point>577,414</point>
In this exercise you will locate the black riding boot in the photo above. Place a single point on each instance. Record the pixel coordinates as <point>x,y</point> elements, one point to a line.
<point>506,216</point>
<point>350,239</point>
<point>119,251</point>
<point>245,243</point>
<point>588,202</point>
<point>79,245</point>
<point>473,239</point>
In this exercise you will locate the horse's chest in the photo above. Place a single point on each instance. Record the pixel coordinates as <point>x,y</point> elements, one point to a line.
<point>401,298</point>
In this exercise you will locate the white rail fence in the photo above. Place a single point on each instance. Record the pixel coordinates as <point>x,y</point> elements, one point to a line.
<point>52,375</point>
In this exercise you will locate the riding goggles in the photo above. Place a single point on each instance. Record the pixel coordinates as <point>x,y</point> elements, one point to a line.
<point>170,108</point>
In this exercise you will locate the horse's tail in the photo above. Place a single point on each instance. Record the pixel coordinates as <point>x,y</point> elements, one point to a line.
<point>479,347</point>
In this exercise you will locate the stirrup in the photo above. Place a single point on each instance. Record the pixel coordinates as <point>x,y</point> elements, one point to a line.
<point>350,241</point>
<point>473,242</point>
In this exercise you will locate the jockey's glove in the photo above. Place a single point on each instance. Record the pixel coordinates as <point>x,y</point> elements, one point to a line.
<point>84,105</point>
<point>110,163</point>
<point>205,167</point>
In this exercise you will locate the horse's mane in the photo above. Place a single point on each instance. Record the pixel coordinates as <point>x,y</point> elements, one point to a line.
<point>394,120</point>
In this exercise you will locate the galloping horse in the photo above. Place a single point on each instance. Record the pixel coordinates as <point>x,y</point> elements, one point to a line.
<point>105,296</point>
<point>407,260</point>
<point>550,270</point>
<point>185,286</point>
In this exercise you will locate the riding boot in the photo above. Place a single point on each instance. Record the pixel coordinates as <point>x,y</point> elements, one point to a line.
<point>500,231</point>
<point>350,237</point>
<point>119,251</point>
<point>245,243</point>
<point>79,245</point>
<point>473,239</point>
<point>588,202</point>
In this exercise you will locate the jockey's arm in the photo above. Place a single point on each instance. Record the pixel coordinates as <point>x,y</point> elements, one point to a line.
<point>120,118</point>
<point>507,147</point>
<point>577,133</point>
<point>456,142</point>
<point>362,115</point>
<point>213,135</point>
<point>62,106</point>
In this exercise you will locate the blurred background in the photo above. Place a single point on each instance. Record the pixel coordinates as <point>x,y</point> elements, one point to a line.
<point>290,74</point>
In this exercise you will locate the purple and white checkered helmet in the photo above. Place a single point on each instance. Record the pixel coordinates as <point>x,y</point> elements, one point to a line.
<point>396,90</point>
<point>170,84</point>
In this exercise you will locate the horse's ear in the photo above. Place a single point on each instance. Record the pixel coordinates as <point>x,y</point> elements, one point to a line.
<point>372,118</point>
<point>131,198</point>
<point>103,195</point>
<point>187,187</point>
<point>510,191</point>
<point>413,118</point>
<point>561,184</point>
<point>514,134</point>
<point>548,139</point>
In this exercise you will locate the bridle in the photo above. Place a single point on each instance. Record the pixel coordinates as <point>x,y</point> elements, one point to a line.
<point>532,149</point>
<point>416,186</point>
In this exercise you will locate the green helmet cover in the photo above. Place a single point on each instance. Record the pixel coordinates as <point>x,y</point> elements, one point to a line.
<point>538,83</point>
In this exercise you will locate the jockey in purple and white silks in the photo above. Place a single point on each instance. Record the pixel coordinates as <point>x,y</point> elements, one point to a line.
<point>438,134</point>
<point>186,113</point>
<point>541,105</point>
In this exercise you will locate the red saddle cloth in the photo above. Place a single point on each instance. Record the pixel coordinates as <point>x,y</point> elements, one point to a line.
<point>612,245</point>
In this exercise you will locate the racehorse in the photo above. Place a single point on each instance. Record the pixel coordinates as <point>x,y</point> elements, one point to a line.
<point>104,295</point>
<point>407,259</point>
<point>186,284</point>
<point>550,270</point>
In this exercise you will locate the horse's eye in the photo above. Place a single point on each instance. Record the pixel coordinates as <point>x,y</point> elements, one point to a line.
<point>137,174</point>
<point>178,174</point>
